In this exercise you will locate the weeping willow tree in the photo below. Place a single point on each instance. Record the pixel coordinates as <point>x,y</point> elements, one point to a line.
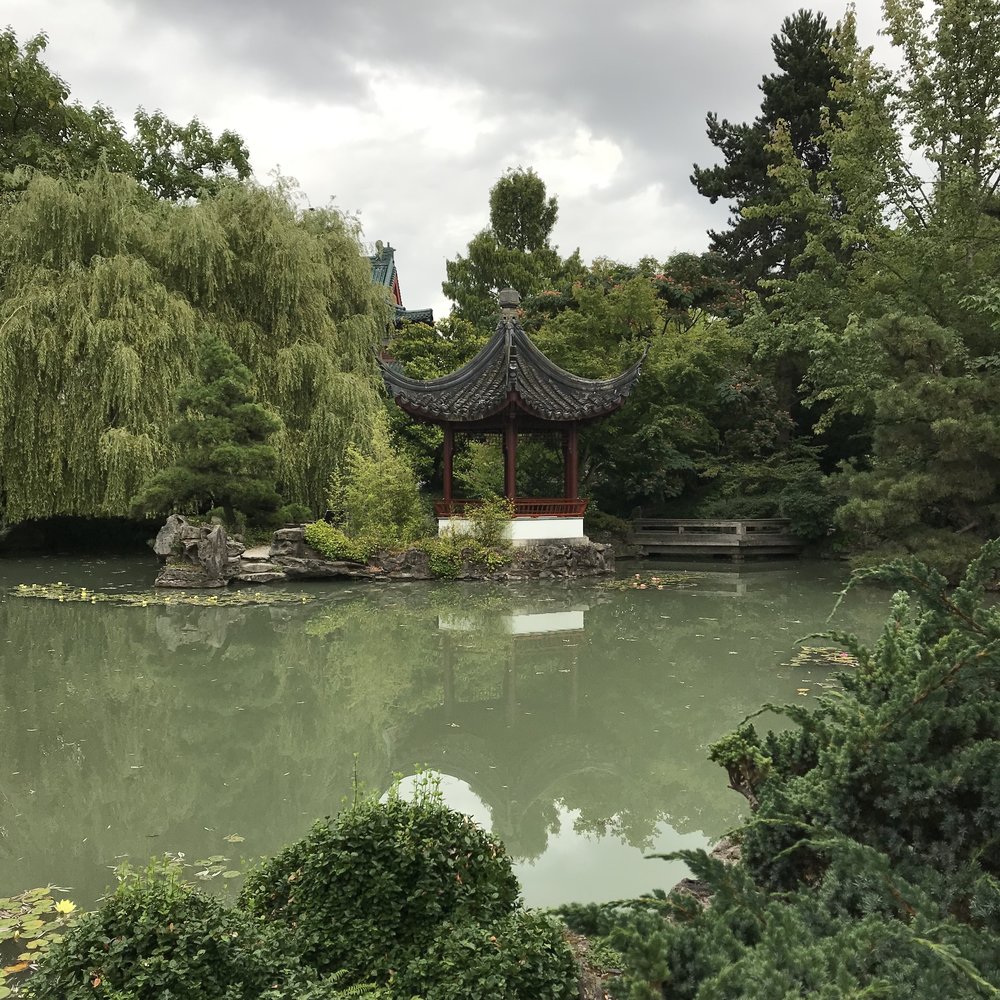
<point>104,290</point>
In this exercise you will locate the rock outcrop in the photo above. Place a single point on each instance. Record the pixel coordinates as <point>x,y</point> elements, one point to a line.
<point>197,556</point>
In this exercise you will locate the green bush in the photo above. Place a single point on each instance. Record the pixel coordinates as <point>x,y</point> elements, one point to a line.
<point>871,864</point>
<point>157,937</point>
<point>332,543</point>
<point>597,523</point>
<point>522,957</point>
<point>490,520</point>
<point>790,484</point>
<point>369,891</point>
<point>376,493</point>
<point>294,513</point>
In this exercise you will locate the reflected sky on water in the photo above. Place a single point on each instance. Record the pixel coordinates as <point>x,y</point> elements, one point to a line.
<point>571,719</point>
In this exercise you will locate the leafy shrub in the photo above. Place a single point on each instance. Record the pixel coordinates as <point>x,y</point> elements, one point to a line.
<point>332,543</point>
<point>598,523</point>
<point>790,484</point>
<point>446,554</point>
<point>522,957</point>
<point>294,513</point>
<point>485,544</point>
<point>157,937</point>
<point>490,520</point>
<point>450,551</point>
<point>369,891</point>
<point>376,493</point>
<point>871,866</point>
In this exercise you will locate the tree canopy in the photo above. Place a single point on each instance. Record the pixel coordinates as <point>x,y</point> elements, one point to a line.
<point>762,241</point>
<point>118,256</point>
<point>105,292</point>
<point>899,334</point>
<point>514,251</point>
<point>41,130</point>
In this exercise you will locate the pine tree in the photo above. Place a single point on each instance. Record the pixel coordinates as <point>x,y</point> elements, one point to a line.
<point>766,243</point>
<point>222,436</point>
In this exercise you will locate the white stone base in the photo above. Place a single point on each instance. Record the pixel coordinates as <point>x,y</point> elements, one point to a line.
<point>524,530</point>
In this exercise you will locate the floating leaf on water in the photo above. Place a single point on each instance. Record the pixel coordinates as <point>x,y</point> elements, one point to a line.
<point>234,838</point>
<point>236,598</point>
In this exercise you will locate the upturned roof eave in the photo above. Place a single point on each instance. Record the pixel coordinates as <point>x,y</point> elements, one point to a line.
<point>505,361</point>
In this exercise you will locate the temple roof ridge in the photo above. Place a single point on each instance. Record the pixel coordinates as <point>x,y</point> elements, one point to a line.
<point>510,373</point>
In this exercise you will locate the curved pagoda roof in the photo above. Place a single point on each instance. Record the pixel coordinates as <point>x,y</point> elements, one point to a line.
<point>510,376</point>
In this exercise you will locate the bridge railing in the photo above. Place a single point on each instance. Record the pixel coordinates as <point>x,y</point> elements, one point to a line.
<point>707,535</point>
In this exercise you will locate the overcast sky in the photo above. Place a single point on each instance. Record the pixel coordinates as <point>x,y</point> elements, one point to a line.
<point>407,112</point>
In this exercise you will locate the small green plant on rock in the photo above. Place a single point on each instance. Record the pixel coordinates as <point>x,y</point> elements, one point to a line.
<point>332,543</point>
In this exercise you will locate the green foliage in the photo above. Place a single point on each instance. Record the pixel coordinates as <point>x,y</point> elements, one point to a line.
<point>41,131</point>
<point>184,161</point>
<point>105,294</point>
<point>513,252</point>
<point>30,923</point>
<point>486,544</point>
<point>490,521</point>
<point>222,437</point>
<point>787,484</point>
<point>370,891</point>
<point>890,310</point>
<point>479,467</point>
<point>375,494</point>
<point>598,523</point>
<point>332,543</point>
<point>765,242</point>
<point>521,957</point>
<point>154,937</point>
<point>870,866</point>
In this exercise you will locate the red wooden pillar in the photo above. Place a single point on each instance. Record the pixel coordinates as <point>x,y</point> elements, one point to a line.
<point>449,451</point>
<point>510,459</point>
<point>570,463</point>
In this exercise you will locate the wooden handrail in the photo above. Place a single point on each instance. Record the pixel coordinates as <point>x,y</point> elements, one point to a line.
<point>523,507</point>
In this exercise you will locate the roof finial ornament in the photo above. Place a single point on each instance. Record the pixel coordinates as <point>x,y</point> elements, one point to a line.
<point>509,300</point>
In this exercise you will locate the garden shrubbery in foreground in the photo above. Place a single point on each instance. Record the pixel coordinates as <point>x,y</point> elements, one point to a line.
<point>393,899</point>
<point>871,863</point>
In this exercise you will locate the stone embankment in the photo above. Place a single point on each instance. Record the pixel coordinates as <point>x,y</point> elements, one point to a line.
<point>196,556</point>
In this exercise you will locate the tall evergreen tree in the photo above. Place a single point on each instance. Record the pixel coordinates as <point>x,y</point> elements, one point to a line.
<point>764,238</point>
<point>224,458</point>
<point>514,251</point>
<point>902,335</point>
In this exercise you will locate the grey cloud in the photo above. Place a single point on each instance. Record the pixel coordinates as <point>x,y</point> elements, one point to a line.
<point>642,75</point>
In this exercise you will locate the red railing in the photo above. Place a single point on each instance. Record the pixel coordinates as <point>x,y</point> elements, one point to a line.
<point>523,507</point>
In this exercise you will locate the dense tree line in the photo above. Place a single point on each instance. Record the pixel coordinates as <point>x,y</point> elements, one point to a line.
<point>832,357</point>
<point>119,259</point>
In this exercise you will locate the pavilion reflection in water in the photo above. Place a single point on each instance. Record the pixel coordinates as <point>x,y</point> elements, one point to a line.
<point>509,722</point>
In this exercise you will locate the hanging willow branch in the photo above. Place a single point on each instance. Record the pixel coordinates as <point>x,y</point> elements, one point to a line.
<point>103,291</point>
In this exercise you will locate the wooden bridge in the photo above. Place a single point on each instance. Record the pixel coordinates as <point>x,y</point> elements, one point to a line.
<point>737,539</point>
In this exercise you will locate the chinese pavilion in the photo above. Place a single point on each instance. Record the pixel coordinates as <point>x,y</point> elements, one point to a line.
<point>511,388</point>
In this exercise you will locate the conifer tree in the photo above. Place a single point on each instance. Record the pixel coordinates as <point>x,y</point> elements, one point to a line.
<point>765,243</point>
<point>514,251</point>
<point>222,436</point>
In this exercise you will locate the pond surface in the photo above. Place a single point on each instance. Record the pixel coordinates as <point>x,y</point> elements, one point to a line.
<point>571,719</point>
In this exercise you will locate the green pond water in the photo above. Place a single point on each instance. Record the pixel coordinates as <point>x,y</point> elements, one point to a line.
<point>572,720</point>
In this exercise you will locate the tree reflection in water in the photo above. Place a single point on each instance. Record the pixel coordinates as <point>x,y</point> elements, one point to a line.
<point>132,731</point>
